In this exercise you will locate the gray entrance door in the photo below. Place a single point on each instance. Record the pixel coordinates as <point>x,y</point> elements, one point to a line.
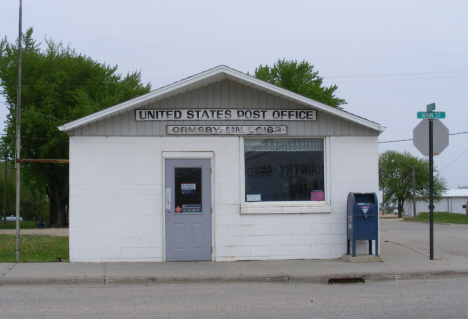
<point>188,209</point>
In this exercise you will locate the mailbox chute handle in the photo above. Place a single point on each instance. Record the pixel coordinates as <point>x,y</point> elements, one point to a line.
<point>365,210</point>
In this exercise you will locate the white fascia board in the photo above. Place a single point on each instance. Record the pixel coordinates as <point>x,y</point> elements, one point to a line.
<point>202,78</point>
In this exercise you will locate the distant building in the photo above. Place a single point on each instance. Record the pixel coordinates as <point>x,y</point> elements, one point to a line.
<point>220,166</point>
<point>453,201</point>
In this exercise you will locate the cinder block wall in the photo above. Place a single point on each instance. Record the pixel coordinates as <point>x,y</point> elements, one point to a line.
<point>116,196</point>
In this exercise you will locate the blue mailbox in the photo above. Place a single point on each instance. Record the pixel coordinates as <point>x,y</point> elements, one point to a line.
<point>363,220</point>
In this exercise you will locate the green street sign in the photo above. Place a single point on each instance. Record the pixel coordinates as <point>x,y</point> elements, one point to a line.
<point>431,115</point>
<point>430,107</point>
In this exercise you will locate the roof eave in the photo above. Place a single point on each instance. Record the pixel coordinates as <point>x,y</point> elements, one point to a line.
<point>205,78</point>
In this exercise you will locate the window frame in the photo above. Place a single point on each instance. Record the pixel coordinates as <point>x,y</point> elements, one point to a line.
<point>286,207</point>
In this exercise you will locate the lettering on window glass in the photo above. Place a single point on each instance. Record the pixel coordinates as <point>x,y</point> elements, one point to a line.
<point>284,170</point>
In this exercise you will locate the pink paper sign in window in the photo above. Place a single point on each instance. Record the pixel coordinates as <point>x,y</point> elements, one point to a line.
<point>317,196</point>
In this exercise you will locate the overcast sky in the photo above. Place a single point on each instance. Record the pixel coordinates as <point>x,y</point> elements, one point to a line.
<point>389,58</point>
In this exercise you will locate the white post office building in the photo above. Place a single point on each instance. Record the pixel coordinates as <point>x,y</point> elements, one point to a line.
<point>220,166</point>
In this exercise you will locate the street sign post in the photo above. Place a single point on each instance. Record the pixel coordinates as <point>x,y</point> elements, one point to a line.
<point>420,132</point>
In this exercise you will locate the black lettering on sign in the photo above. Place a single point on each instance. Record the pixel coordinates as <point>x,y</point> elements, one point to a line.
<point>150,114</point>
<point>205,115</point>
<point>142,115</point>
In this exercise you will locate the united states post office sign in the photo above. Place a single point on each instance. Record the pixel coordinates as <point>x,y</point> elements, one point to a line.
<point>225,114</point>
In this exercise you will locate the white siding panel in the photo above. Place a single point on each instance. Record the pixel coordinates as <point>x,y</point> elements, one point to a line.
<point>248,97</point>
<point>209,98</point>
<point>109,175</point>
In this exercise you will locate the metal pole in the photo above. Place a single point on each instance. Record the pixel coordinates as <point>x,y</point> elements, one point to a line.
<point>18,121</point>
<point>414,192</point>
<point>5,186</point>
<point>431,198</point>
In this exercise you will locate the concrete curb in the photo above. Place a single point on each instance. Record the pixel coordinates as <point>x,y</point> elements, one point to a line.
<point>51,281</point>
<point>431,275</point>
<point>322,279</point>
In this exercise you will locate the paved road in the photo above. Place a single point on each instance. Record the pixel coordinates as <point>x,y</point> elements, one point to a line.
<point>401,299</point>
<point>449,239</point>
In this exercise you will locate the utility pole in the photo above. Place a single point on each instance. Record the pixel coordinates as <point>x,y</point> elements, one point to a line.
<point>414,192</point>
<point>18,121</point>
<point>5,185</point>
<point>414,185</point>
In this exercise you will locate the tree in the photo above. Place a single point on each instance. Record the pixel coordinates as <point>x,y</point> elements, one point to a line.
<point>396,179</point>
<point>33,203</point>
<point>58,86</point>
<point>300,78</point>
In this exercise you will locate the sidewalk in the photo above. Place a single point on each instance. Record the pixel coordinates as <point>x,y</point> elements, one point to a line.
<point>399,263</point>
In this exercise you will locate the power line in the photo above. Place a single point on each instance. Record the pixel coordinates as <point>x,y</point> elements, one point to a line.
<point>395,74</point>
<point>395,141</point>
<point>407,79</point>
<point>52,117</point>
<point>410,139</point>
<point>455,160</point>
<point>38,138</point>
<point>441,74</point>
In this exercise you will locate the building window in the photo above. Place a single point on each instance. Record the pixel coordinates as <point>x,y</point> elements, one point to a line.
<point>284,170</point>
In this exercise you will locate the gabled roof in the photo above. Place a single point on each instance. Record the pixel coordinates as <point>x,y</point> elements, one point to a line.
<point>211,76</point>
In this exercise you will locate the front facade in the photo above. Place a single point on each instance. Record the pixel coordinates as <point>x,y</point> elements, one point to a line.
<point>220,166</point>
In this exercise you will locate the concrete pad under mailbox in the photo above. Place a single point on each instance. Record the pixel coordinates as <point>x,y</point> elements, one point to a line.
<point>362,258</point>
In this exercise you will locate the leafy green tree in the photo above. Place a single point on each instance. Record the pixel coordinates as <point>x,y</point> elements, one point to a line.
<point>396,179</point>
<point>58,86</point>
<point>33,204</point>
<point>301,78</point>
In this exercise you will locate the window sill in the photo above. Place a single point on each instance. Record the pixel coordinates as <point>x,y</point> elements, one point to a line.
<point>266,208</point>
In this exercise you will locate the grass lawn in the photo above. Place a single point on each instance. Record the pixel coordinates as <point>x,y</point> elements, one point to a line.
<point>34,248</point>
<point>27,224</point>
<point>441,217</point>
